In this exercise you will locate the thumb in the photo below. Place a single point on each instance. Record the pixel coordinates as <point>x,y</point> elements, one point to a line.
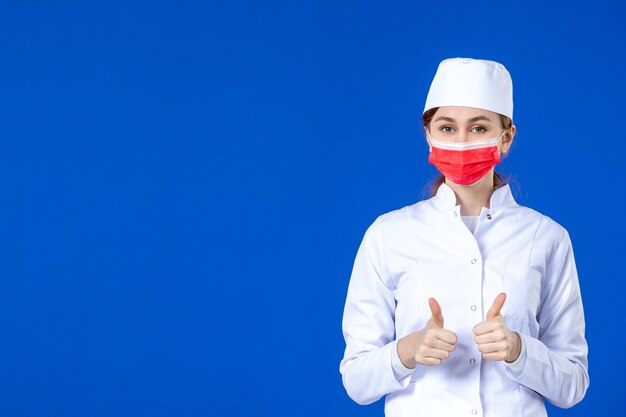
<point>435,309</point>
<point>496,306</point>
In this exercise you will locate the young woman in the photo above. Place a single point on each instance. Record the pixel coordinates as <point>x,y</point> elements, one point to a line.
<point>465,304</point>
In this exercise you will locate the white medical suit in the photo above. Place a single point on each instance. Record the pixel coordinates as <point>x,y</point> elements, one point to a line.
<point>424,250</point>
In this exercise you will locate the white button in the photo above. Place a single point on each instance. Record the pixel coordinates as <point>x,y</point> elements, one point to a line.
<point>473,308</point>
<point>474,411</point>
<point>472,361</point>
<point>473,261</point>
<point>455,214</point>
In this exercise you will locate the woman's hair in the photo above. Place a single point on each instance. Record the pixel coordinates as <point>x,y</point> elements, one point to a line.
<point>498,179</point>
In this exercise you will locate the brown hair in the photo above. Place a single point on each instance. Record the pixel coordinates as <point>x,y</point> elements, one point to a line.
<point>498,179</point>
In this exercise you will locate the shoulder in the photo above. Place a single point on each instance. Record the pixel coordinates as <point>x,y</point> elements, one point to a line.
<point>547,230</point>
<point>395,228</point>
<point>400,219</point>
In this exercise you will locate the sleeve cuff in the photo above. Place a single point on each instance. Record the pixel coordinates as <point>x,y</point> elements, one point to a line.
<point>399,370</point>
<point>516,367</point>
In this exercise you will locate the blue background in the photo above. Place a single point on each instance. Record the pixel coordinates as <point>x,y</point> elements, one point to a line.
<point>184,186</point>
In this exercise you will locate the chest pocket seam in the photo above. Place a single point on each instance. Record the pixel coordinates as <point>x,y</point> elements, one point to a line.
<point>523,287</point>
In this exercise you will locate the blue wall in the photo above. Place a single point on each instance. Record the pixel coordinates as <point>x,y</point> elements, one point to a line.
<point>184,186</point>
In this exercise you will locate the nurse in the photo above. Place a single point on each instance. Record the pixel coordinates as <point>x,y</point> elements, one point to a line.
<point>467,303</point>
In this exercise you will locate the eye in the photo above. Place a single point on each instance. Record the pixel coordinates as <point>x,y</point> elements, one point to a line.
<point>446,129</point>
<point>481,129</point>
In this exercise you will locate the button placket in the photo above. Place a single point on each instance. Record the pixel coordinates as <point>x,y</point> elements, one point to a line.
<point>473,262</point>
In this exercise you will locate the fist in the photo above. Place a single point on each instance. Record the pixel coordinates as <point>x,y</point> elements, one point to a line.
<point>433,343</point>
<point>492,337</point>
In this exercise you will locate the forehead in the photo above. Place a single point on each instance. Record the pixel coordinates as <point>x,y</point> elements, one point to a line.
<point>464,114</point>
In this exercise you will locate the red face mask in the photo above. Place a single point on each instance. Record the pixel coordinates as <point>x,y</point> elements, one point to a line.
<point>465,163</point>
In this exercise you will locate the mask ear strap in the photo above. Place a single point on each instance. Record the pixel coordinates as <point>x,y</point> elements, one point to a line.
<point>504,151</point>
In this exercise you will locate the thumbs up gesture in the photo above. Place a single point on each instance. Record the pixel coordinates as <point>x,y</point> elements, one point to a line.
<point>493,339</point>
<point>429,346</point>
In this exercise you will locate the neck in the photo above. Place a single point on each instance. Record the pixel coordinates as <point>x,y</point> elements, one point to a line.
<point>472,198</point>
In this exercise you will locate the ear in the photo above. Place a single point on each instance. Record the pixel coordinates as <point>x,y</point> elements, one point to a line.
<point>507,140</point>
<point>427,140</point>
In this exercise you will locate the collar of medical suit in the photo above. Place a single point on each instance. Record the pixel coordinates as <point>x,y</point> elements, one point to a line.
<point>445,200</point>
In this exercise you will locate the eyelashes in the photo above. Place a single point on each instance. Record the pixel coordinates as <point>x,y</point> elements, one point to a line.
<point>450,129</point>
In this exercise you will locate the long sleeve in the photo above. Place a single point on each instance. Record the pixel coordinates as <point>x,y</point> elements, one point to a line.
<point>368,325</point>
<point>556,362</point>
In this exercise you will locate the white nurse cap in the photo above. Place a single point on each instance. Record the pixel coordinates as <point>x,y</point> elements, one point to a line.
<point>472,83</point>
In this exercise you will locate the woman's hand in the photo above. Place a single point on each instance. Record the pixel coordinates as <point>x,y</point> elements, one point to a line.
<point>429,346</point>
<point>493,339</point>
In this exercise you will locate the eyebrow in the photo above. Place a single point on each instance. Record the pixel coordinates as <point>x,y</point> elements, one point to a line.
<point>472,120</point>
